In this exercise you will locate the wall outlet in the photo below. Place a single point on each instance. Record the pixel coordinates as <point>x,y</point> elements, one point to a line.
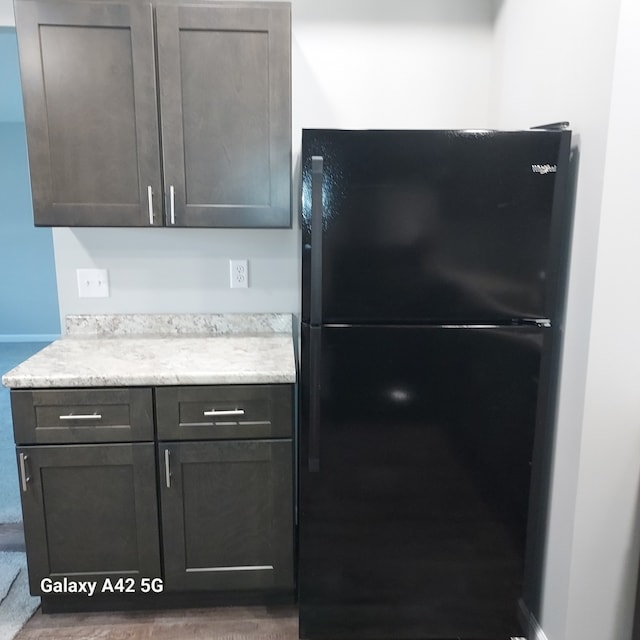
<point>93,283</point>
<point>239,274</point>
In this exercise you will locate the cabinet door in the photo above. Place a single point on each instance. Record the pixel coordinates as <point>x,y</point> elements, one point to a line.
<point>90,511</point>
<point>225,94</point>
<point>88,80</point>
<point>227,515</point>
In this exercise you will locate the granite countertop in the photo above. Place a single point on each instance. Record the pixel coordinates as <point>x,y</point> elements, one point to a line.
<point>141,350</point>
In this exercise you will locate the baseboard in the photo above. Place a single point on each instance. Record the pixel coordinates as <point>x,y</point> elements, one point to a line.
<point>29,337</point>
<point>529,622</point>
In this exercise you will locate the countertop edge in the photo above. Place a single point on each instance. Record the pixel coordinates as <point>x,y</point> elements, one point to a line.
<point>161,381</point>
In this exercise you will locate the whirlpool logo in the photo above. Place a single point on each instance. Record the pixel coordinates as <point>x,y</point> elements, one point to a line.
<point>544,168</point>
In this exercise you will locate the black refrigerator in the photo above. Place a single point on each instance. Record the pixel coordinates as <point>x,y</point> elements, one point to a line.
<point>432,273</point>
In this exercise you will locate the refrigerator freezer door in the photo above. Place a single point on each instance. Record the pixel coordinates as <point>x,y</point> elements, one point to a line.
<point>432,226</point>
<point>412,525</point>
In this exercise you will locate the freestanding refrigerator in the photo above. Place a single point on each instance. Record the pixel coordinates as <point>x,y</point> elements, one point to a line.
<point>431,273</point>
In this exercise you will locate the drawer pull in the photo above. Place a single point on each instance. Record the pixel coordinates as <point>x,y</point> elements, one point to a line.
<point>24,478</point>
<point>82,416</point>
<point>223,412</point>
<point>167,469</point>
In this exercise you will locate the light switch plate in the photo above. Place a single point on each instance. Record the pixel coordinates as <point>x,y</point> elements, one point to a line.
<point>93,283</point>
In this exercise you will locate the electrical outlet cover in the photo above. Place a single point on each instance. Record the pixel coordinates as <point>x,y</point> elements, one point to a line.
<point>239,274</point>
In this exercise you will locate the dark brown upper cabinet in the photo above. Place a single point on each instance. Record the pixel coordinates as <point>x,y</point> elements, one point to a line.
<point>225,109</point>
<point>92,123</point>
<point>157,114</point>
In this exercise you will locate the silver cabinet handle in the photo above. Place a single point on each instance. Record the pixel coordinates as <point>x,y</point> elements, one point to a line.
<point>172,204</point>
<point>24,478</point>
<point>231,412</point>
<point>242,567</point>
<point>167,470</point>
<point>82,416</point>
<point>150,202</point>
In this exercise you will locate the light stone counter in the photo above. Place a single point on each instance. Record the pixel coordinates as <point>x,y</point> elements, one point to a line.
<point>138,350</point>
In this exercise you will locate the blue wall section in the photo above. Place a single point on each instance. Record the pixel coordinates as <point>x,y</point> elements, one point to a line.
<point>28,293</point>
<point>10,94</point>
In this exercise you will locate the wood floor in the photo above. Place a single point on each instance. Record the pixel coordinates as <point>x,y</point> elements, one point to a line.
<point>224,623</point>
<point>228,623</point>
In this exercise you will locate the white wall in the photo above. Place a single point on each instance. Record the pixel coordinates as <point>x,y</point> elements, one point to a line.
<point>558,61</point>
<point>6,14</point>
<point>607,517</point>
<point>178,270</point>
<point>407,63</point>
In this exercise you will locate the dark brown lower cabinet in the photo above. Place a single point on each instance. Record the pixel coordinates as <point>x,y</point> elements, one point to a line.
<point>226,509</point>
<point>207,508</point>
<point>90,511</point>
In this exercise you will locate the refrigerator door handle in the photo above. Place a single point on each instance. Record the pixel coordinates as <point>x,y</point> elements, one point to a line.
<point>317,215</point>
<point>315,355</point>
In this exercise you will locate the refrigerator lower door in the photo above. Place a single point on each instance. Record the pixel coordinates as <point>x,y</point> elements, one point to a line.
<point>413,500</point>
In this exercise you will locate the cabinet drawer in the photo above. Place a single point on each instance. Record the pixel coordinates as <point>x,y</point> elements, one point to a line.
<point>82,415</point>
<point>224,412</point>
